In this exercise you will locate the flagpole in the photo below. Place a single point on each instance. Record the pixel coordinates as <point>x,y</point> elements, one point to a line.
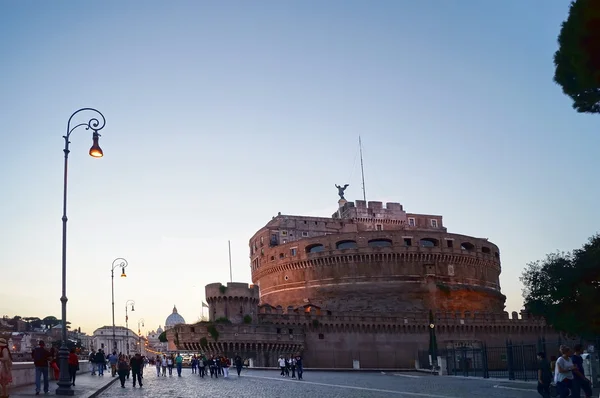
<point>230,271</point>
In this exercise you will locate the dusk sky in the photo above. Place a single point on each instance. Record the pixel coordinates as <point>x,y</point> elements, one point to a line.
<point>221,114</point>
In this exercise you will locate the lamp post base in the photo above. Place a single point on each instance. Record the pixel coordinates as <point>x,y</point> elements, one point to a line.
<point>64,382</point>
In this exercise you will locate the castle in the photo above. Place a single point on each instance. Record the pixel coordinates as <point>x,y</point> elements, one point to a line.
<point>358,288</point>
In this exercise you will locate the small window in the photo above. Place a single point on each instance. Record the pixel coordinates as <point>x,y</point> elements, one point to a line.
<point>262,252</point>
<point>283,233</point>
<point>261,240</point>
<point>278,330</point>
<point>434,223</point>
<point>407,242</point>
<point>321,336</point>
<point>411,221</point>
<point>379,227</point>
<point>346,244</point>
<point>380,243</point>
<point>193,330</point>
<point>293,251</point>
<point>428,242</point>
<point>304,233</point>
<point>291,331</point>
<point>286,277</point>
<point>315,248</point>
<point>467,246</point>
<point>281,255</point>
<point>486,250</point>
<point>272,258</point>
<point>449,243</point>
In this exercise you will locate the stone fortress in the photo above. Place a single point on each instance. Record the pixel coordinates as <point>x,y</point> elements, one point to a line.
<point>359,286</point>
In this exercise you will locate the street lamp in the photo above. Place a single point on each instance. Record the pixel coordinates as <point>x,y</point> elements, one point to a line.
<point>127,320</point>
<point>119,262</point>
<point>95,123</point>
<point>140,321</point>
<point>432,341</point>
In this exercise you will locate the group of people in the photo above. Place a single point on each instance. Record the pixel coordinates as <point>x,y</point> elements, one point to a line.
<point>120,365</point>
<point>566,372</point>
<point>217,365</point>
<point>293,364</point>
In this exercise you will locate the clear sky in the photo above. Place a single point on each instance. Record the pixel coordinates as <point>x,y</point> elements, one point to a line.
<point>221,114</point>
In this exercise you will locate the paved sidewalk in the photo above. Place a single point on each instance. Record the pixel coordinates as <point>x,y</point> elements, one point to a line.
<point>86,386</point>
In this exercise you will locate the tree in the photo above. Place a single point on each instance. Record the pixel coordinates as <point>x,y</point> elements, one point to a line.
<point>564,289</point>
<point>50,321</point>
<point>577,60</point>
<point>163,337</point>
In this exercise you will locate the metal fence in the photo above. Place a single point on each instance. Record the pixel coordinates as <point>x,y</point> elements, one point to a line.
<point>513,361</point>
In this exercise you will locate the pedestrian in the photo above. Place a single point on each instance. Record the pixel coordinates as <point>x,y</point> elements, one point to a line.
<point>225,366</point>
<point>136,365</point>
<point>122,369</point>
<point>544,375</point>
<point>282,365</point>
<point>238,364</point>
<point>563,376</point>
<point>580,382</point>
<point>163,364</point>
<point>93,362</point>
<point>41,356</point>
<point>54,363</point>
<point>5,367</point>
<point>73,365</point>
<point>293,366</point>
<point>157,362</point>
<point>299,366</point>
<point>179,363</point>
<point>100,360</point>
<point>113,359</point>
<point>202,365</point>
<point>170,361</point>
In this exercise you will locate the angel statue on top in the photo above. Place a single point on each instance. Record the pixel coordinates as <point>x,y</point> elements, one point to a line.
<point>341,190</point>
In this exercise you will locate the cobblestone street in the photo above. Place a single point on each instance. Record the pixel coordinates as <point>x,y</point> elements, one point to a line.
<point>268,384</point>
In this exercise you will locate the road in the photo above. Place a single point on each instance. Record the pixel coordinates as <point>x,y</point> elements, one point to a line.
<point>268,384</point>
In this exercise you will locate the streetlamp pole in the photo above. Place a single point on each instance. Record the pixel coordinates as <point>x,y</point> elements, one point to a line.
<point>95,123</point>
<point>119,262</point>
<point>432,341</point>
<point>140,321</point>
<point>127,321</point>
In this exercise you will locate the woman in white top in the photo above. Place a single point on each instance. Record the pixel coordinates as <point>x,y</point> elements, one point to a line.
<point>563,373</point>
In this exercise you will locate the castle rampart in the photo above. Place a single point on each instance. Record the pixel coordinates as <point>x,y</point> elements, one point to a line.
<point>233,301</point>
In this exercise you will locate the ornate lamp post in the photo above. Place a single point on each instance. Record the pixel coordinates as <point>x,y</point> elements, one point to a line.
<point>119,262</point>
<point>127,320</point>
<point>140,321</point>
<point>96,123</point>
<point>432,341</point>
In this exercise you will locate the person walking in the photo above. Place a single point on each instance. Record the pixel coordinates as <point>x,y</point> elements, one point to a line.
<point>122,369</point>
<point>580,382</point>
<point>237,360</point>
<point>299,366</point>
<point>41,356</point>
<point>157,362</point>
<point>544,375</point>
<point>293,366</point>
<point>202,365</point>
<point>179,363</point>
<point>225,366</point>
<point>93,362</point>
<point>73,361</point>
<point>563,376</point>
<point>100,362</point>
<point>113,359</point>
<point>282,365</point>
<point>136,365</point>
<point>5,367</point>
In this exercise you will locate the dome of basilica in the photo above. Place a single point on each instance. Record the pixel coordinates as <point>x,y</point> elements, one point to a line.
<point>173,319</point>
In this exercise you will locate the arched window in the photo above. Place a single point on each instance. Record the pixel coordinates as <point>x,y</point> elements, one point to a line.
<point>428,242</point>
<point>346,244</point>
<point>496,254</point>
<point>380,243</point>
<point>467,246</point>
<point>316,248</point>
<point>486,250</point>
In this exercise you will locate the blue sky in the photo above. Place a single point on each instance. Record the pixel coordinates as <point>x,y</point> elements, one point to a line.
<point>221,114</point>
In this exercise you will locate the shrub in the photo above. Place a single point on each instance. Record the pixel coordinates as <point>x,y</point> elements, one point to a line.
<point>247,319</point>
<point>212,330</point>
<point>203,342</point>
<point>222,320</point>
<point>222,289</point>
<point>315,323</point>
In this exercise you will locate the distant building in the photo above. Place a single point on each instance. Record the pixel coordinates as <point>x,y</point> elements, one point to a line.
<point>173,319</point>
<point>103,339</point>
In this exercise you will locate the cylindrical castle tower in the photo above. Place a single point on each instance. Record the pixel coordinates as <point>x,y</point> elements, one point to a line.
<point>234,301</point>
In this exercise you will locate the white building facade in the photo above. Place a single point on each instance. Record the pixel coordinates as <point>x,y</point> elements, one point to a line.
<point>126,340</point>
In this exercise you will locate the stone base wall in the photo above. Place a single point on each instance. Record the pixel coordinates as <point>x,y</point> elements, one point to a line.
<point>24,373</point>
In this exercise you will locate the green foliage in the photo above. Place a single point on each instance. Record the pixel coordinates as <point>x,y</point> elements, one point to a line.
<point>203,342</point>
<point>577,60</point>
<point>564,289</point>
<point>222,289</point>
<point>212,330</point>
<point>163,337</point>
<point>315,323</point>
<point>222,320</point>
<point>247,319</point>
<point>443,288</point>
<point>50,321</point>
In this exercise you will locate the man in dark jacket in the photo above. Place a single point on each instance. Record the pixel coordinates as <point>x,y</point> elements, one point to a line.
<point>41,356</point>
<point>136,368</point>
<point>100,362</point>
